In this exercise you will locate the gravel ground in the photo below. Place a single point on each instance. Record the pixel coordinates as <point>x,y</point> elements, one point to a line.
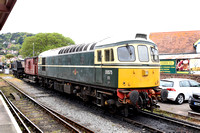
<point>75,111</point>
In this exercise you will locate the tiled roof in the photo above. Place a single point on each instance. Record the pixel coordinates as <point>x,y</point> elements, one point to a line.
<point>175,42</point>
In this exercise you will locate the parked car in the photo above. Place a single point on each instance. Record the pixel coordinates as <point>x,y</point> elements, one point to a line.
<point>194,101</point>
<point>179,89</point>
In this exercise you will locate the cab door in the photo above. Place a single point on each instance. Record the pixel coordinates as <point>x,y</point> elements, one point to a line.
<point>98,67</point>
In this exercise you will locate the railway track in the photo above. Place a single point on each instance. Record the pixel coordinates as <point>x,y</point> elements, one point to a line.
<point>158,123</point>
<point>175,121</point>
<point>35,117</point>
<point>149,122</point>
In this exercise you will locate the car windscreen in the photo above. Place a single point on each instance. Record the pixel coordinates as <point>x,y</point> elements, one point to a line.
<point>165,83</point>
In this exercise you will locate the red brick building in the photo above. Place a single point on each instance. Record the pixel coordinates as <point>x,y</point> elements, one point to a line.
<point>176,42</point>
<point>174,47</point>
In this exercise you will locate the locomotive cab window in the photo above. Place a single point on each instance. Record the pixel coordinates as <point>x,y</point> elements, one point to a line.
<point>126,53</point>
<point>143,53</point>
<point>109,55</point>
<point>154,54</point>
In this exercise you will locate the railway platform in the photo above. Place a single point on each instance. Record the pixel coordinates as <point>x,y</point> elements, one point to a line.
<point>8,123</point>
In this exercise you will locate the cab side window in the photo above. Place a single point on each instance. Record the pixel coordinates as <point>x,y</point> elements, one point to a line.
<point>154,54</point>
<point>109,55</point>
<point>99,56</point>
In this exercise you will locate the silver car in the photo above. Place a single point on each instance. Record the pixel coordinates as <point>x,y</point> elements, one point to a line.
<point>179,89</point>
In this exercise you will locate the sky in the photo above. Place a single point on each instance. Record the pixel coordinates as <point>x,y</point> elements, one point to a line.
<point>86,21</point>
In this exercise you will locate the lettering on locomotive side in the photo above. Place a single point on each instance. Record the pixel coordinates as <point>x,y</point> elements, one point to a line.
<point>108,72</point>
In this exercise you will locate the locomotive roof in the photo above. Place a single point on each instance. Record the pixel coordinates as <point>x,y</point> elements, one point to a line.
<point>108,42</point>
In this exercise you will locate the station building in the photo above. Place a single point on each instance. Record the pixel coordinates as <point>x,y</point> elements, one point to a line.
<point>179,53</point>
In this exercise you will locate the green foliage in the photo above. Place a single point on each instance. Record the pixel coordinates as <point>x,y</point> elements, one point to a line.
<point>15,47</point>
<point>8,56</point>
<point>14,38</point>
<point>3,59</point>
<point>42,42</point>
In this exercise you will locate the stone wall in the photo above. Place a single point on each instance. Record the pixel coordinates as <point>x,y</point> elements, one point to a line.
<point>186,76</point>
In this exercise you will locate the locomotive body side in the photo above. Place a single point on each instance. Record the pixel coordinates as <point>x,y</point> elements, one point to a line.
<point>18,68</point>
<point>122,74</point>
<point>78,67</point>
<point>31,69</point>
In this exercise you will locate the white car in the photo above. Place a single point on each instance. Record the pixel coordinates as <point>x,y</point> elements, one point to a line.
<point>179,89</point>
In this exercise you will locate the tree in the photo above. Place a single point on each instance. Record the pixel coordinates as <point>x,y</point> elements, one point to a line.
<point>15,47</point>
<point>8,56</point>
<point>20,40</point>
<point>3,59</point>
<point>42,42</point>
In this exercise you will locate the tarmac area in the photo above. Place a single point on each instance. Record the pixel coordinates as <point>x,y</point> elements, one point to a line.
<point>172,107</point>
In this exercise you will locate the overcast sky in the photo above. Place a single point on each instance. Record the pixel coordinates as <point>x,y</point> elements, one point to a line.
<point>86,21</point>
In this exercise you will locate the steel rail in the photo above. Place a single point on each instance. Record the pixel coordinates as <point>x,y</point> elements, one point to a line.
<point>15,114</point>
<point>30,123</point>
<point>173,120</point>
<point>66,122</point>
<point>138,124</point>
<point>83,129</point>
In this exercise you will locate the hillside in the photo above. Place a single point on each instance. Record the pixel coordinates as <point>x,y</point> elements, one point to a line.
<point>7,39</point>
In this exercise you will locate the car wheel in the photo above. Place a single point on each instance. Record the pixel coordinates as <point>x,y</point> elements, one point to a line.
<point>180,99</point>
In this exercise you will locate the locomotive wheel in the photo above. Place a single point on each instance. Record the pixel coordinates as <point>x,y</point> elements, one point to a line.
<point>112,109</point>
<point>134,97</point>
<point>126,113</point>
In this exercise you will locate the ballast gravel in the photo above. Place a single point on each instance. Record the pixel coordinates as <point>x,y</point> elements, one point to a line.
<point>95,121</point>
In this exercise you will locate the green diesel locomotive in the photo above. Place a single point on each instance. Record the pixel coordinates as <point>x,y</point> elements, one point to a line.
<point>120,74</point>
